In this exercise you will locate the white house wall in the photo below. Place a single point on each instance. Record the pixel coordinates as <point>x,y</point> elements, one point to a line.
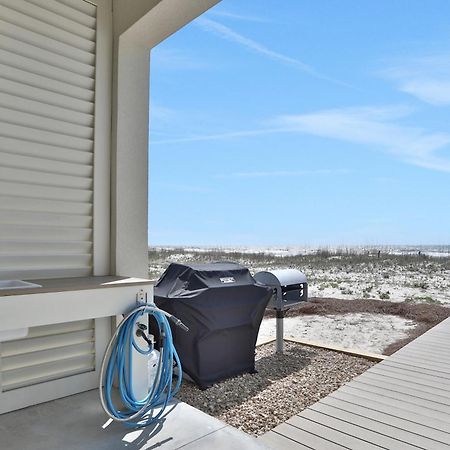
<point>130,123</point>
<point>73,175</point>
<point>74,195</point>
<point>125,17</point>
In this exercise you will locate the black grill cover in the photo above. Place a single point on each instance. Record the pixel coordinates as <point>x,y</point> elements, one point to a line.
<point>223,306</point>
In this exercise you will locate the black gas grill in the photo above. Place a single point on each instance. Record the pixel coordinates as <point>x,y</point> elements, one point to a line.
<point>223,306</point>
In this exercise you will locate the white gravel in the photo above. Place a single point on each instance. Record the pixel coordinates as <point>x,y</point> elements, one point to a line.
<point>360,331</point>
<point>284,385</point>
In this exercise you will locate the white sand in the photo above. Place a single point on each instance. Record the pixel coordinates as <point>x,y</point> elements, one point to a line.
<point>397,283</point>
<point>361,331</point>
<point>345,277</point>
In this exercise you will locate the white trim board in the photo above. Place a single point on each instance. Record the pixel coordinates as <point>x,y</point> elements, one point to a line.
<point>102,140</point>
<point>23,311</point>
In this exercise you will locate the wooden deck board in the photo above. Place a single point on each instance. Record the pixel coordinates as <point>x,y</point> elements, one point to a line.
<point>430,354</point>
<point>392,408</point>
<point>438,341</point>
<point>442,345</point>
<point>375,431</point>
<point>431,342</point>
<point>413,362</point>
<point>400,403</point>
<point>436,393</point>
<point>416,376</point>
<point>407,397</point>
<point>311,440</point>
<point>345,436</point>
<point>426,347</point>
<point>435,350</point>
<point>402,419</point>
<point>438,358</point>
<point>415,368</point>
<point>385,397</point>
<point>369,438</point>
<point>277,440</point>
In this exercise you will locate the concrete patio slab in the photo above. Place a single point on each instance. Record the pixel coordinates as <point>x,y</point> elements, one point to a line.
<point>225,439</point>
<point>78,423</point>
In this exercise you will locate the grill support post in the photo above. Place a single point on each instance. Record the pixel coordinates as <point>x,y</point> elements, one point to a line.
<point>280,331</point>
<point>290,288</point>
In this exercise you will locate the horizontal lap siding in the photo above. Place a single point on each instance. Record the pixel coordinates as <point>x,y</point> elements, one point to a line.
<point>47,81</point>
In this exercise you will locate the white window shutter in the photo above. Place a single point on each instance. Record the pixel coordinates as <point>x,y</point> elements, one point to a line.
<point>47,80</point>
<point>48,353</point>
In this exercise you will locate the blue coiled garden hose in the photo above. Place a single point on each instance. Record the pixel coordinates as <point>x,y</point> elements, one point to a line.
<point>117,365</point>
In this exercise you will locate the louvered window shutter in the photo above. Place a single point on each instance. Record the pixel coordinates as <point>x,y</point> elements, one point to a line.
<point>48,353</point>
<point>47,79</point>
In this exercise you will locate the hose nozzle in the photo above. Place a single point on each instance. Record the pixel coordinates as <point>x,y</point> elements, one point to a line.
<point>179,323</point>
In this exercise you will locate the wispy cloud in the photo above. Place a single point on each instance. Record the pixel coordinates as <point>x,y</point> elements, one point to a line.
<point>430,91</point>
<point>162,113</point>
<point>284,173</point>
<point>221,136</point>
<point>377,129</point>
<point>174,59</point>
<point>427,78</point>
<point>228,34</point>
<point>234,16</point>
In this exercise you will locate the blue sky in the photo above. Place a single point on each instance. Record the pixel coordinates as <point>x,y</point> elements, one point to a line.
<point>312,122</point>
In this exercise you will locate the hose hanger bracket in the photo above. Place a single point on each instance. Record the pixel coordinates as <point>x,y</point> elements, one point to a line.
<point>142,299</point>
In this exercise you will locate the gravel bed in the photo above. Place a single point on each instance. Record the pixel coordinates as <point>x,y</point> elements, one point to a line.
<point>284,385</point>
